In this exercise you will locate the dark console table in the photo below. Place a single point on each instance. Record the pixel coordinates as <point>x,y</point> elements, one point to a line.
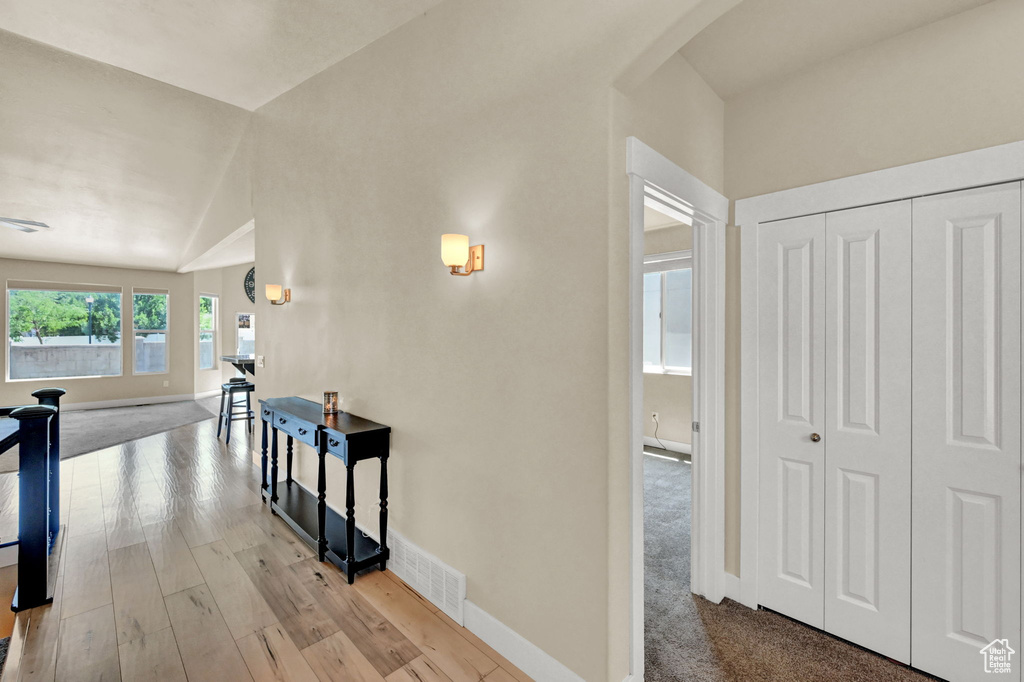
<point>347,437</point>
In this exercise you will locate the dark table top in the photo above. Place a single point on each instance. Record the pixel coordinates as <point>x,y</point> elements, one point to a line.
<point>343,423</point>
<point>238,358</point>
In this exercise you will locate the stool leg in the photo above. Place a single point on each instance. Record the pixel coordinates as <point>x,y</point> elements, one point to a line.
<point>220,418</point>
<point>248,410</point>
<point>231,408</point>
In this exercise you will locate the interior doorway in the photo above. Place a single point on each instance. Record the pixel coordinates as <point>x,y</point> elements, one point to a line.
<point>667,281</point>
<point>667,437</point>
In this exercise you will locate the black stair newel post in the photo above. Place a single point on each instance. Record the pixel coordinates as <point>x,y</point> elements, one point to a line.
<point>33,491</point>
<point>51,397</point>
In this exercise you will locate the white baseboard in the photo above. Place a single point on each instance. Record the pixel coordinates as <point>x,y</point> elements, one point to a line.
<point>634,678</point>
<point>131,402</point>
<point>522,653</point>
<point>673,446</point>
<point>207,394</point>
<point>8,556</point>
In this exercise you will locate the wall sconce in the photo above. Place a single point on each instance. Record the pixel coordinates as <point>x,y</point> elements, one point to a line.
<point>274,294</point>
<point>456,253</point>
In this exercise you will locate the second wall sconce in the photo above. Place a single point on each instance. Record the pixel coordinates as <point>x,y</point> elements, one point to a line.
<point>274,294</point>
<point>456,253</point>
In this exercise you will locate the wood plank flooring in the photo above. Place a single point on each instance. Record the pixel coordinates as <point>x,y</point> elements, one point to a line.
<point>173,570</point>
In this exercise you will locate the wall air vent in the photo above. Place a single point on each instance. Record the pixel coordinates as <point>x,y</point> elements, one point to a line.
<point>439,583</point>
<point>23,225</point>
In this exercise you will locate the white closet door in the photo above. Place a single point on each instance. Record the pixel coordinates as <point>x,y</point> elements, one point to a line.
<point>967,412</point>
<point>867,427</point>
<point>791,267</point>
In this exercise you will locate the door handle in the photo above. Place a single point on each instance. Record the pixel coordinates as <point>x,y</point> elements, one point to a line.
<point>815,437</point>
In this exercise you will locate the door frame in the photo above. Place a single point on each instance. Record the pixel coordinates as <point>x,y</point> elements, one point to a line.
<point>989,166</point>
<point>646,167</point>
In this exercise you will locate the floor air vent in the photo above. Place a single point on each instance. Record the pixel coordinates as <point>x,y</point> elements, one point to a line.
<point>441,584</point>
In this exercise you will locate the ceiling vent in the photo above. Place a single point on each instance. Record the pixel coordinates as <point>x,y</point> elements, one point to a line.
<point>23,225</point>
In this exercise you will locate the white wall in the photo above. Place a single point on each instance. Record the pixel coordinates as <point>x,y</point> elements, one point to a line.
<point>948,87</point>
<point>491,119</point>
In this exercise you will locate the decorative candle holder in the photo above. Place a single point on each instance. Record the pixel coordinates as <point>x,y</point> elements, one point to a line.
<point>331,402</point>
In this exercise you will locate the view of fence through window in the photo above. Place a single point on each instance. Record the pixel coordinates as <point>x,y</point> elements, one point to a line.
<point>149,311</point>
<point>63,333</point>
<point>207,331</point>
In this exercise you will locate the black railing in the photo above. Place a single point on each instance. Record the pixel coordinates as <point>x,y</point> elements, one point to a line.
<point>35,429</point>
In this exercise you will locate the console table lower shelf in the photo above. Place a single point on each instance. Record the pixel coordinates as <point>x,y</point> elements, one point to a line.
<point>298,508</point>
<point>345,437</point>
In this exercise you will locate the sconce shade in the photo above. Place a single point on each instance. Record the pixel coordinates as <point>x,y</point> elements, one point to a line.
<point>454,249</point>
<point>273,292</point>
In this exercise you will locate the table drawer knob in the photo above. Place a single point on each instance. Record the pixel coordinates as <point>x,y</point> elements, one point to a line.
<point>282,420</point>
<point>333,443</point>
<point>302,432</point>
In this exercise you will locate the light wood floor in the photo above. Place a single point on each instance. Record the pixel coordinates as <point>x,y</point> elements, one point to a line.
<point>173,570</point>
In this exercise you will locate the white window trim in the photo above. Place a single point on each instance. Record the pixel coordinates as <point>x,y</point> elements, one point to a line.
<point>7,326</point>
<point>665,262</point>
<point>215,331</point>
<point>166,332</point>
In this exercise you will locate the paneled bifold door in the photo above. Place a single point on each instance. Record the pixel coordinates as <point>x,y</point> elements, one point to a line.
<point>867,427</point>
<point>835,447</point>
<point>890,423</point>
<point>967,421</point>
<point>791,272</point>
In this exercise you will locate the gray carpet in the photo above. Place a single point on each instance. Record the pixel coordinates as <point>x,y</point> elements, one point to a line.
<point>5,643</point>
<point>85,431</point>
<point>689,638</point>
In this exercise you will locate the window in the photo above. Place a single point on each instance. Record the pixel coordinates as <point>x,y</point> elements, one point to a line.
<point>668,312</point>
<point>245,334</point>
<point>149,312</point>
<point>207,331</point>
<point>62,331</point>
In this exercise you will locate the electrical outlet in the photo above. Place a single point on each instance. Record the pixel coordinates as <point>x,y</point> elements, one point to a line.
<point>654,416</point>
<point>167,384</point>
<point>260,362</point>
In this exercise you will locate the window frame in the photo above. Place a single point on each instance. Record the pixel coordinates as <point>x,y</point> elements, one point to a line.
<point>214,312</point>
<point>663,263</point>
<point>252,317</point>
<point>64,287</point>
<point>143,291</point>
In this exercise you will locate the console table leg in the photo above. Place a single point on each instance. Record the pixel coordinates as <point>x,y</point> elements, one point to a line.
<point>288,462</point>
<point>273,469</point>
<point>350,522</point>
<point>321,506</point>
<point>383,511</point>
<point>263,463</point>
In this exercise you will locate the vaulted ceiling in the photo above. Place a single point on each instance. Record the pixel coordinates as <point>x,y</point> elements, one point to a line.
<point>119,120</point>
<point>243,52</point>
<point>762,41</point>
<point>122,123</point>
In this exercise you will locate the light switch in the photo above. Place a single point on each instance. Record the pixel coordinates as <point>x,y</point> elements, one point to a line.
<point>259,361</point>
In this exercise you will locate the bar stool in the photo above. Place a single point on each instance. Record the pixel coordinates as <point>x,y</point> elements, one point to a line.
<point>228,403</point>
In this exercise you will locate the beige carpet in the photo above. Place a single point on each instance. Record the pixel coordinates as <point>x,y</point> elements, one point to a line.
<point>689,638</point>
